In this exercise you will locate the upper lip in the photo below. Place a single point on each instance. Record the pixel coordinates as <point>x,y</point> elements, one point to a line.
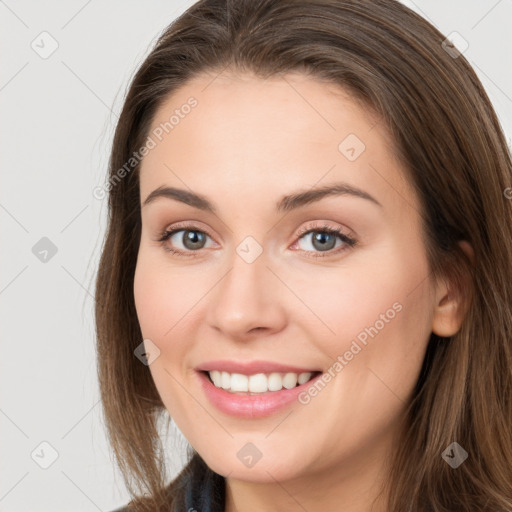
<point>251,367</point>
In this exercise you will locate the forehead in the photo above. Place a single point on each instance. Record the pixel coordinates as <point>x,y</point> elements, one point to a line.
<point>250,135</point>
<point>294,101</point>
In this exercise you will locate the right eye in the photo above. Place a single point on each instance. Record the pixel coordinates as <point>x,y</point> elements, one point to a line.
<point>191,239</point>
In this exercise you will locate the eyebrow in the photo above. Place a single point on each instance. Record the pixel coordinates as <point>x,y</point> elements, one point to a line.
<point>285,204</point>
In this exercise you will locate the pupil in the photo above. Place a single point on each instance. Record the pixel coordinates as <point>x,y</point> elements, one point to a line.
<point>193,237</point>
<point>320,237</point>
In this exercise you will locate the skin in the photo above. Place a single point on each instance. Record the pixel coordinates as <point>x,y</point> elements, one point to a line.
<point>247,143</point>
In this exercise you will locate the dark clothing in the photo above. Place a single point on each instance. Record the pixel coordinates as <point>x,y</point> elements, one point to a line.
<point>204,492</point>
<point>207,495</point>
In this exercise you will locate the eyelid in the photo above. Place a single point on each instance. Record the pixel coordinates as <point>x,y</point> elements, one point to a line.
<point>186,225</point>
<point>320,226</point>
<point>311,225</point>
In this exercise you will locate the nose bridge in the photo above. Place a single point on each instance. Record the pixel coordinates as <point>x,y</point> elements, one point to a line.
<point>247,296</point>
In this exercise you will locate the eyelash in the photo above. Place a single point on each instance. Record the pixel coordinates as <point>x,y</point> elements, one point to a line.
<point>348,241</point>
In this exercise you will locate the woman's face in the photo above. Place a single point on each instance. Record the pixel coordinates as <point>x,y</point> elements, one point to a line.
<point>257,279</point>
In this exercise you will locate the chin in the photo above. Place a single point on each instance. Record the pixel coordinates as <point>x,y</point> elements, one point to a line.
<point>265,470</point>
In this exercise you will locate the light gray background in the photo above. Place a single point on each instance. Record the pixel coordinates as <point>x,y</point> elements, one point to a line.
<point>58,115</point>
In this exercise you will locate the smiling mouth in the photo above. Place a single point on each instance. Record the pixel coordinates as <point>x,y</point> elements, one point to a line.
<point>258,383</point>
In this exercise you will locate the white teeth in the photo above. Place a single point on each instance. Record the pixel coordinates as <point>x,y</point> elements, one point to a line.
<point>239,382</point>
<point>258,383</point>
<point>290,380</point>
<point>303,378</point>
<point>226,380</point>
<point>275,382</point>
<point>217,378</point>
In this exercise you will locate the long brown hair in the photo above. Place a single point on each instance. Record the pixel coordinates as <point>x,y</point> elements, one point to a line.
<point>449,140</point>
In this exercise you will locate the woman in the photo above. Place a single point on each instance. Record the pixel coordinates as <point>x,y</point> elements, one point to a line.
<point>308,266</point>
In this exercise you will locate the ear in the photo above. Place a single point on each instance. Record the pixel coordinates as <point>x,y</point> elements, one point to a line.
<point>450,303</point>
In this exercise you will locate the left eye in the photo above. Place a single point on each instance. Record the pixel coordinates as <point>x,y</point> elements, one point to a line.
<point>322,240</point>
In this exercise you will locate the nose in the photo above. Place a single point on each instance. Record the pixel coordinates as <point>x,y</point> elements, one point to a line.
<point>249,299</point>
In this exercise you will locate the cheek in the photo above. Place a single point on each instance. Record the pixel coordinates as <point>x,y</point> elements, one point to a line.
<point>377,310</point>
<point>162,299</point>
<point>380,321</point>
<point>163,296</point>
<point>343,303</point>
<point>149,303</point>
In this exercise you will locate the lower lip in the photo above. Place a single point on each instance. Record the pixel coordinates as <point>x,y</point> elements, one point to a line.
<point>251,406</point>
